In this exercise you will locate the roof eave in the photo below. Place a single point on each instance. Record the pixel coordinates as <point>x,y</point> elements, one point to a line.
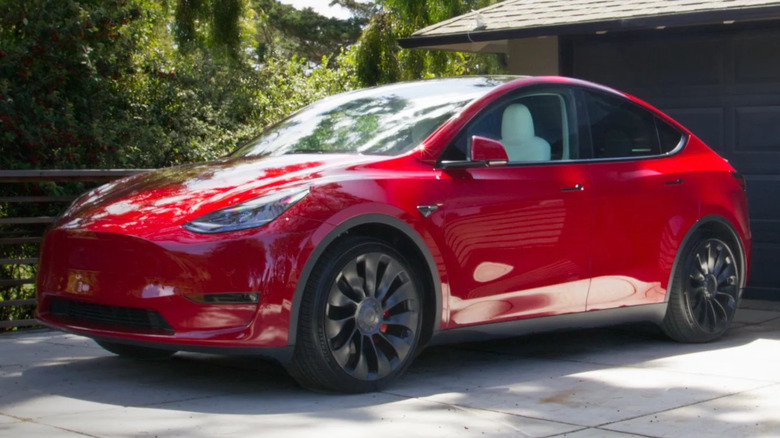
<point>699,18</point>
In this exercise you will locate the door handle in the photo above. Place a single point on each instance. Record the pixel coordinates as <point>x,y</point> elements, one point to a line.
<point>676,182</point>
<point>574,188</point>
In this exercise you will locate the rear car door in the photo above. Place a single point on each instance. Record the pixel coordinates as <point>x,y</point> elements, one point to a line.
<point>642,200</point>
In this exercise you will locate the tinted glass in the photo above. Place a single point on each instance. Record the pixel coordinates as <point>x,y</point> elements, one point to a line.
<point>620,128</point>
<point>668,136</point>
<point>385,120</point>
<point>535,126</point>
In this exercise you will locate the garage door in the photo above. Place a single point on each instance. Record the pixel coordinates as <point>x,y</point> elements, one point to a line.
<point>724,85</point>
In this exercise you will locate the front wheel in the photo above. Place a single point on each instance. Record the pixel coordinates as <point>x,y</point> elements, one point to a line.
<point>705,292</point>
<point>360,319</point>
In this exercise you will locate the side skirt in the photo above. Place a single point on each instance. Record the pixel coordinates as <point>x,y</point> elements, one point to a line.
<point>595,318</point>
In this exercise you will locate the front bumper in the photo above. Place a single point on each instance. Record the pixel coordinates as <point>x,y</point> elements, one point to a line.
<point>130,289</point>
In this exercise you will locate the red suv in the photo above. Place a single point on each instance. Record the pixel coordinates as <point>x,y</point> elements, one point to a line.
<point>347,237</point>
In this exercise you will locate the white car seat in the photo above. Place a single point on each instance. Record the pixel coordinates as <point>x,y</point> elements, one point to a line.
<point>519,138</point>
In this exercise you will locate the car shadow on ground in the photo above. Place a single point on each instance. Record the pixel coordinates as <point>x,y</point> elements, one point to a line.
<point>251,386</point>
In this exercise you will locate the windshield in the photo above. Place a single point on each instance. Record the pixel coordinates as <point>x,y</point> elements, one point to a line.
<point>386,120</point>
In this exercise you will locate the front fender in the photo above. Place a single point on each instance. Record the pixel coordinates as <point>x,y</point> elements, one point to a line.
<point>348,220</point>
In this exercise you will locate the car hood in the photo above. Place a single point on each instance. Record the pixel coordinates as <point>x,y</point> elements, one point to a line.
<point>176,195</point>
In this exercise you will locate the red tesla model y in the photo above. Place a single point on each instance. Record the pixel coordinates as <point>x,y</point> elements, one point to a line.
<point>347,237</point>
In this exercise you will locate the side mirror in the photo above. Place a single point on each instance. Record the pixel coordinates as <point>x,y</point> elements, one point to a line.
<point>485,152</point>
<point>489,151</point>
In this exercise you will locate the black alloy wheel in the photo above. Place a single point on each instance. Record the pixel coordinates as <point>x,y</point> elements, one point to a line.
<point>371,316</point>
<point>705,292</point>
<point>365,308</point>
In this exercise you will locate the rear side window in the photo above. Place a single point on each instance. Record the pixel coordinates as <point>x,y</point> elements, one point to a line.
<point>621,129</point>
<point>668,136</point>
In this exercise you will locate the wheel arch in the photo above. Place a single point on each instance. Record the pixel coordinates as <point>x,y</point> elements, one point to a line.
<point>724,229</point>
<point>394,231</point>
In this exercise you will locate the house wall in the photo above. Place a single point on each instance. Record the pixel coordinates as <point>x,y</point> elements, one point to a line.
<point>533,56</point>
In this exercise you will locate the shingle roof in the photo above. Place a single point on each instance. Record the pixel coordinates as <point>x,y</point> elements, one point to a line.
<point>552,17</point>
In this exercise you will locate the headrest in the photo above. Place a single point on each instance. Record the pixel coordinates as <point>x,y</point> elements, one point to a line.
<point>517,123</point>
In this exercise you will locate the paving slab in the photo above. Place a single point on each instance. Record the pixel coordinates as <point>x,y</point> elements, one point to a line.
<point>766,327</point>
<point>577,393</point>
<point>28,429</point>
<point>378,415</point>
<point>619,382</point>
<point>754,316</point>
<point>746,414</point>
<point>599,433</point>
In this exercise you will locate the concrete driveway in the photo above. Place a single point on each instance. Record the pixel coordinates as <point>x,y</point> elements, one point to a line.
<point>611,383</point>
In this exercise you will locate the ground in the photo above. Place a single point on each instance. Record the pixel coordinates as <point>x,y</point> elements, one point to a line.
<point>612,383</point>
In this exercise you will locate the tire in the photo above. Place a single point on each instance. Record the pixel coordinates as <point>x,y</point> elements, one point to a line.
<point>705,291</point>
<point>136,352</point>
<point>360,319</point>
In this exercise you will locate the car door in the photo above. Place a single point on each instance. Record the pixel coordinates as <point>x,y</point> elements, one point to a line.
<point>641,199</point>
<point>517,236</point>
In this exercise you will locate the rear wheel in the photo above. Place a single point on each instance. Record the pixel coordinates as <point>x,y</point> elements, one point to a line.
<point>360,319</point>
<point>705,291</point>
<point>135,351</point>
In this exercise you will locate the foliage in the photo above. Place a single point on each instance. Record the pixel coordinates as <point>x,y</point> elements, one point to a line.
<point>303,33</point>
<point>379,59</point>
<point>212,24</point>
<point>105,84</point>
<point>122,83</point>
<point>154,83</point>
<point>376,55</point>
<point>62,71</point>
<point>362,10</point>
<point>150,83</point>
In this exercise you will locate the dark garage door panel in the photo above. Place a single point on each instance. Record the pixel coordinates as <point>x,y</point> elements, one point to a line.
<point>725,87</point>
<point>764,199</point>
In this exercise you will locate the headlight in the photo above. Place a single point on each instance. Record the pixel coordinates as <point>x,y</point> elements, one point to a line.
<point>249,214</point>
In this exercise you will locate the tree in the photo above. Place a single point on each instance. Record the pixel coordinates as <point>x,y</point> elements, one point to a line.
<point>379,59</point>
<point>303,33</point>
<point>63,78</point>
<point>132,83</point>
<point>142,83</point>
<point>229,27</point>
<point>211,23</point>
<point>363,11</point>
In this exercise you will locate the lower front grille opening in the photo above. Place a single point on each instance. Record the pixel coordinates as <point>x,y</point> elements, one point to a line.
<point>113,316</point>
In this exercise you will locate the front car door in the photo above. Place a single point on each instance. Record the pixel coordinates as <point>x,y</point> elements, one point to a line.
<point>517,237</point>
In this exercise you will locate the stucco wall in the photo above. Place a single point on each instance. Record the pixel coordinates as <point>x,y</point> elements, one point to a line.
<point>533,56</point>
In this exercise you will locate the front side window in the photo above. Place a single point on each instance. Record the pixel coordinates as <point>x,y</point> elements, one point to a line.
<point>621,129</point>
<point>533,127</point>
